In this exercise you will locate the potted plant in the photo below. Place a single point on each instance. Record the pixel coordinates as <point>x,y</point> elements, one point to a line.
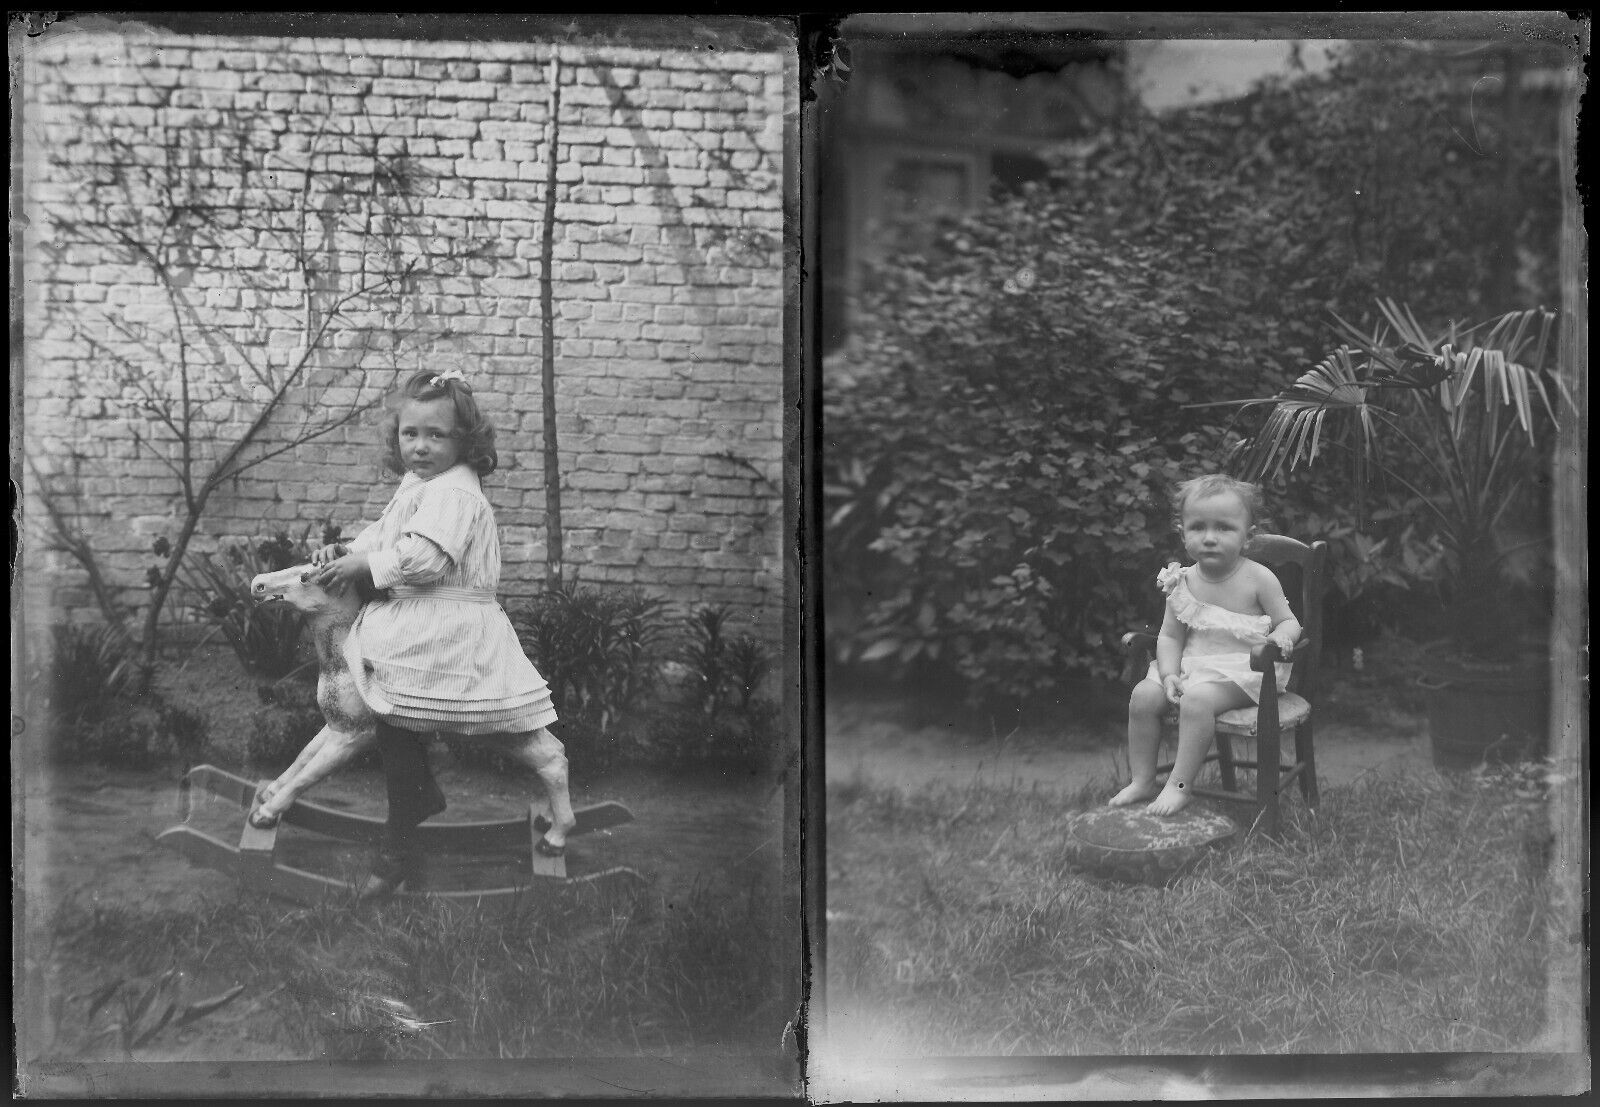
<point>1460,420</point>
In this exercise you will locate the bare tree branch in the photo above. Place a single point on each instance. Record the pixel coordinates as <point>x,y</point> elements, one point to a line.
<point>227,180</point>
<point>62,535</point>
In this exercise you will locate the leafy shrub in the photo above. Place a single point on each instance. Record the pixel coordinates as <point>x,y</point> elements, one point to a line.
<point>94,672</point>
<point>722,668</point>
<point>749,662</point>
<point>1381,575</point>
<point>595,647</point>
<point>602,653</point>
<point>1004,432</point>
<point>288,718</point>
<point>143,735</point>
<point>186,734</point>
<point>997,500</point>
<point>1387,174</point>
<point>265,637</point>
<point>100,710</point>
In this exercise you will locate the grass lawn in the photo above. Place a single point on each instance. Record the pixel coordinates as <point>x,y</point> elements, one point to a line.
<point>567,974</point>
<point>123,936</point>
<point>1406,915</point>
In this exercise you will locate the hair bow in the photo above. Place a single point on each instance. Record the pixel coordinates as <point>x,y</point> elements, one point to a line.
<point>448,375</point>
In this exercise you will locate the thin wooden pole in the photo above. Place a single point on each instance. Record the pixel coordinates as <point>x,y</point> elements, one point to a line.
<point>552,460</point>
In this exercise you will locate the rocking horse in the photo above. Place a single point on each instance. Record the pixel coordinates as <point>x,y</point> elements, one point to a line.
<point>350,729</point>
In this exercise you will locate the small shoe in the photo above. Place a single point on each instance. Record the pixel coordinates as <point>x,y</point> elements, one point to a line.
<point>545,849</point>
<point>390,873</point>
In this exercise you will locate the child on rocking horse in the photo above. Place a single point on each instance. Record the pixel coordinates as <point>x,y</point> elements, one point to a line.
<point>439,654</point>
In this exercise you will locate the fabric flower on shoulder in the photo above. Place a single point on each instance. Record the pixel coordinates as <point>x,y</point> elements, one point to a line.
<point>1168,578</point>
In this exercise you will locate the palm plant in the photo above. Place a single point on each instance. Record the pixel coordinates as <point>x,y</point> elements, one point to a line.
<point>1458,418</point>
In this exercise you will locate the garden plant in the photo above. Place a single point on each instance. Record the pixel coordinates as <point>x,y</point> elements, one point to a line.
<point>1461,418</point>
<point>1461,421</point>
<point>1019,395</point>
<point>100,709</point>
<point>637,684</point>
<point>265,638</point>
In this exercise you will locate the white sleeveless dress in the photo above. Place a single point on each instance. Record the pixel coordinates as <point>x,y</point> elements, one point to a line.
<point>1217,647</point>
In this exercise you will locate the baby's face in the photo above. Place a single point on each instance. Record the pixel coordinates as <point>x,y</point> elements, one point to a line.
<point>429,443</point>
<point>1215,530</point>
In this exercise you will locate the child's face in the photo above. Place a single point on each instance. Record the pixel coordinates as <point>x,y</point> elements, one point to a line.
<point>428,441</point>
<point>1215,530</point>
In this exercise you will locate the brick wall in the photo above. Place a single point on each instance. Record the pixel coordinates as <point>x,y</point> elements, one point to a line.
<point>668,293</point>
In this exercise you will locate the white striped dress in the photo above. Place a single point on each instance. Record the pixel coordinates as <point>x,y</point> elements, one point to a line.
<point>441,655</point>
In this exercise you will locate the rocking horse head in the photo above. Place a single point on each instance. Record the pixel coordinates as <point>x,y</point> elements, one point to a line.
<point>297,586</point>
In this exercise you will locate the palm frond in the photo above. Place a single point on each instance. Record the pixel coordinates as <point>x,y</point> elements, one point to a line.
<point>1405,325</point>
<point>1293,431</point>
<point>1466,445</point>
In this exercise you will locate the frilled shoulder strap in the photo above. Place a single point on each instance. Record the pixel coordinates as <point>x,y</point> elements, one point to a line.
<point>1197,614</point>
<point>1185,608</point>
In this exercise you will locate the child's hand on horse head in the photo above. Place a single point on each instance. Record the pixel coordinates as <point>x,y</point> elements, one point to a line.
<point>349,569</point>
<point>325,554</point>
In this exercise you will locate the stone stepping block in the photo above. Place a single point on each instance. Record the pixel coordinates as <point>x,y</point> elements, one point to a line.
<point>1131,845</point>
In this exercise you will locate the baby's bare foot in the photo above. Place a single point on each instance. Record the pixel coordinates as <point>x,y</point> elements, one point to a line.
<point>1133,793</point>
<point>1173,798</point>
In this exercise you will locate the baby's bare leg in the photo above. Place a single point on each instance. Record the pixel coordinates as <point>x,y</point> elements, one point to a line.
<point>1146,707</point>
<point>1197,728</point>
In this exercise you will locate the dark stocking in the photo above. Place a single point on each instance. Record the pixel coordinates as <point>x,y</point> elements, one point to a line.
<point>414,796</point>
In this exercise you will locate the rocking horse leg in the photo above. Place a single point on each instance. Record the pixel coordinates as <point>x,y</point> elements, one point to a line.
<point>265,795</point>
<point>328,751</point>
<point>312,748</point>
<point>543,752</point>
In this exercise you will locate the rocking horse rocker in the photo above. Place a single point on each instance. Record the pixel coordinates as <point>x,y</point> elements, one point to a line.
<point>350,729</point>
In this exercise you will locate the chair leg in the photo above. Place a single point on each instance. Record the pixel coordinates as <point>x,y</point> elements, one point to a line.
<point>1230,776</point>
<point>1269,777</point>
<point>1306,755</point>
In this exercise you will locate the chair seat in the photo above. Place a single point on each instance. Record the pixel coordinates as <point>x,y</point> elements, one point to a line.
<point>1292,711</point>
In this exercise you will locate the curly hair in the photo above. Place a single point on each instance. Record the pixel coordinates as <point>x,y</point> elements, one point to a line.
<point>1199,488</point>
<point>473,429</point>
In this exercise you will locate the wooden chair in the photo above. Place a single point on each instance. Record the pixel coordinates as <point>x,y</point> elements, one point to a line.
<point>1303,571</point>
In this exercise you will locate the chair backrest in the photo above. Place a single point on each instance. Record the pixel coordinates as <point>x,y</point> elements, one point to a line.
<point>1303,570</point>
